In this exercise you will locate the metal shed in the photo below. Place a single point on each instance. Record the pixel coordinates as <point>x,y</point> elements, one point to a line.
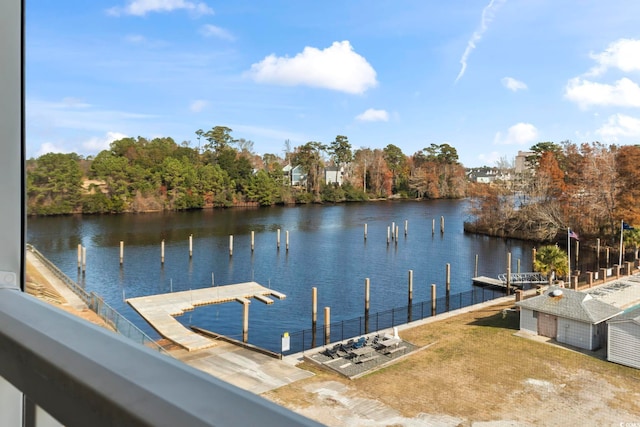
<point>624,339</point>
<point>570,317</point>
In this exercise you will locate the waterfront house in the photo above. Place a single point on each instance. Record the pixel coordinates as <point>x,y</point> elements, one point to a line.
<point>568,316</point>
<point>333,175</point>
<point>623,335</point>
<point>295,175</point>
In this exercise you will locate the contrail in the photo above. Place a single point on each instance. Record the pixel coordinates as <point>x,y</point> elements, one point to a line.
<point>487,17</point>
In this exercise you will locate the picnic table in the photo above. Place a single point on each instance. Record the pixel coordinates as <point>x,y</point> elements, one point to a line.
<point>363,354</point>
<point>389,342</point>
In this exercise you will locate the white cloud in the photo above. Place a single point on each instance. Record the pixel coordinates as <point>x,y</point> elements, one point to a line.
<point>97,144</point>
<point>513,84</point>
<point>79,116</point>
<point>518,134</point>
<point>337,67</point>
<point>620,125</point>
<point>198,105</point>
<point>487,17</point>
<point>623,54</point>
<point>49,147</point>
<point>373,115</point>
<point>624,93</point>
<point>209,30</point>
<point>142,7</point>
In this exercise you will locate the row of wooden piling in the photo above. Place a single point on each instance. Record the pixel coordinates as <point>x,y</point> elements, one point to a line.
<point>393,232</point>
<point>367,288</point>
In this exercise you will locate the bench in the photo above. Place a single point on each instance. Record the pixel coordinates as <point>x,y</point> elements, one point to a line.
<point>393,350</point>
<point>366,359</point>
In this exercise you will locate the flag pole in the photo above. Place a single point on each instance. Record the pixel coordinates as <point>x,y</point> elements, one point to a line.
<point>569,257</point>
<point>621,234</point>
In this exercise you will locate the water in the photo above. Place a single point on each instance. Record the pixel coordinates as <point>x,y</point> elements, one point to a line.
<point>327,251</point>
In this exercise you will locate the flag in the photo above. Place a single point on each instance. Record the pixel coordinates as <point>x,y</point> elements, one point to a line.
<point>573,235</point>
<point>626,226</point>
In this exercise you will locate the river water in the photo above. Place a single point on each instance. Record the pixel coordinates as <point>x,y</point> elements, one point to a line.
<point>327,250</point>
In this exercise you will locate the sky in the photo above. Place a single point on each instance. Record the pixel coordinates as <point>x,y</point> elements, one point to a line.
<point>488,77</point>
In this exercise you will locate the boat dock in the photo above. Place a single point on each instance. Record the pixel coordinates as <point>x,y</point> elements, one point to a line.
<point>517,280</point>
<point>159,310</point>
<point>488,281</point>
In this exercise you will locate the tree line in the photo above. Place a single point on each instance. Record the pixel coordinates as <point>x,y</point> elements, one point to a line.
<point>589,188</point>
<point>140,174</point>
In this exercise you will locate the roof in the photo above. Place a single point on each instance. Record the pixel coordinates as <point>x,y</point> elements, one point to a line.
<point>571,304</point>
<point>623,293</point>
<point>632,315</point>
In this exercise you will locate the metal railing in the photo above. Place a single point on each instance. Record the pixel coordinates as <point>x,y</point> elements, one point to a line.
<point>107,313</point>
<point>339,331</point>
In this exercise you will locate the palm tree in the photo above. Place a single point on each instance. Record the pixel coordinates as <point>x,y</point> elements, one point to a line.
<point>551,259</point>
<point>632,239</point>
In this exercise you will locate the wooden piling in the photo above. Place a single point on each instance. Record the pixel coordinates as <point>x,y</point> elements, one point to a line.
<point>397,233</point>
<point>406,226</point>
<point>393,229</point>
<point>190,245</point>
<point>388,235</point>
<point>121,252</point>
<point>278,238</point>
<point>365,231</point>
<point>231,245</point>
<point>79,256</point>
<point>433,226</point>
<point>314,315</point>
<point>367,295</point>
<point>253,240</point>
<point>162,252</point>
<point>448,278</point>
<point>410,295</point>
<point>433,299</point>
<point>245,321</point>
<point>327,325</point>
<point>286,238</point>
<point>84,259</point>
<point>509,273</point>
<point>314,307</point>
<point>442,224</point>
<point>475,270</point>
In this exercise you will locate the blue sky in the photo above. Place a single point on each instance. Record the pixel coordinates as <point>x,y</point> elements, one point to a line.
<point>489,77</point>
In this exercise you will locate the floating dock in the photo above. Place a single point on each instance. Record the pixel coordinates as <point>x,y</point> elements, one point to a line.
<point>159,310</point>
<point>488,281</point>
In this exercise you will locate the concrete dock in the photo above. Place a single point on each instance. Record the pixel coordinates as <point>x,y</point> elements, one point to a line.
<point>159,310</point>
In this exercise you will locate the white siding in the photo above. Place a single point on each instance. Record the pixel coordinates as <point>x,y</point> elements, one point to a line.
<point>624,344</point>
<point>527,321</point>
<point>572,332</point>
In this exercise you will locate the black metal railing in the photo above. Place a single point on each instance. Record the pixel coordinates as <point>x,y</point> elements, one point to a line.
<point>339,331</point>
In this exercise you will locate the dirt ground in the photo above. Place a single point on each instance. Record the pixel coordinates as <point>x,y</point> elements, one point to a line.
<point>478,372</point>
